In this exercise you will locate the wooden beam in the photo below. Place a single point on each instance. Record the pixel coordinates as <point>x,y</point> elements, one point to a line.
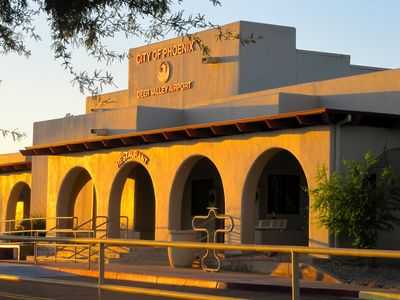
<point>224,130</point>
<point>199,132</point>
<point>153,138</point>
<point>129,141</point>
<point>93,145</point>
<point>75,147</point>
<point>251,127</point>
<point>309,120</point>
<point>43,151</point>
<point>175,135</point>
<point>281,123</point>
<point>109,143</point>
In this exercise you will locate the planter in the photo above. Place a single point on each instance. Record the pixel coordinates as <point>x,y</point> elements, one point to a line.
<point>181,258</point>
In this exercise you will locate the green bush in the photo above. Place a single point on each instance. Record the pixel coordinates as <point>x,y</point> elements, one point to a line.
<point>35,224</point>
<point>359,202</point>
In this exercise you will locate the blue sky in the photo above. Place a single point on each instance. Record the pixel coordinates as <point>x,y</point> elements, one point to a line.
<point>38,88</point>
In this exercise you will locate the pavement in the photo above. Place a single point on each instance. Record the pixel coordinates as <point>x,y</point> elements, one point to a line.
<point>188,279</point>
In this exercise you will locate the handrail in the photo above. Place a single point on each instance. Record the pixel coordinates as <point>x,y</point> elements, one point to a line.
<point>95,226</point>
<point>294,251</point>
<point>60,230</point>
<point>8,223</point>
<point>37,218</point>
<point>217,246</point>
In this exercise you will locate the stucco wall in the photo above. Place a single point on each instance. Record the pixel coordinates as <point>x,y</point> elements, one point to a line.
<point>209,80</point>
<point>7,183</point>
<point>40,174</point>
<point>78,127</point>
<point>355,142</point>
<point>233,157</point>
<point>106,101</point>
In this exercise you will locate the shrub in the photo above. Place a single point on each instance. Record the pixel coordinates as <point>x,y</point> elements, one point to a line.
<point>359,202</point>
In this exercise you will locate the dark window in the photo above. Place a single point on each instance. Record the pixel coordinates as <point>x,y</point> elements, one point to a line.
<point>283,194</point>
<point>202,196</point>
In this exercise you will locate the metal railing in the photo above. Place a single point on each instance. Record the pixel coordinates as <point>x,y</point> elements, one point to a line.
<point>98,224</point>
<point>294,253</point>
<point>11,226</point>
<point>76,231</point>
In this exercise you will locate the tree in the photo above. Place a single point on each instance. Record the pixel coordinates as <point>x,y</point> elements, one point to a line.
<point>86,24</point>
<point>14,133</point>
<point>359,202</point>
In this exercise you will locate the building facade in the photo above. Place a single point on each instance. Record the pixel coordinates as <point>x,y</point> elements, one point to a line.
<point>245,130</point>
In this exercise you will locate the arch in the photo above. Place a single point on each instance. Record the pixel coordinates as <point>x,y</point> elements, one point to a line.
<point>265,184</point>
<point>77,198</point>
<point>196,179</point>
<point>20,193</point>
<point>132,195</point>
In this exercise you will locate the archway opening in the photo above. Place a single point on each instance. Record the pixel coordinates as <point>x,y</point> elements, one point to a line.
<point>77,204</point>
<point>18,206</point>
<point>278,210</point>
<point>203,189</point>
<point>132,204</point>
<point>196,187</point>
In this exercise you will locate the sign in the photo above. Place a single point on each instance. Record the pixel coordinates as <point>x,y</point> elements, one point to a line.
<point>164,72</point>
<point>165,89</point>
<point>163,53</point>
<point>134,155</point>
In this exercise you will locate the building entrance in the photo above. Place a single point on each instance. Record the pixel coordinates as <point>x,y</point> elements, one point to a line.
<point>132,203</point>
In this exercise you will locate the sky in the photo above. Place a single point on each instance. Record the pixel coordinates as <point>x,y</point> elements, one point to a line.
<point>37,88</point>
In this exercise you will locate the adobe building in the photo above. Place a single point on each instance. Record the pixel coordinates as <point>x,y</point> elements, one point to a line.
<point>244,129</point>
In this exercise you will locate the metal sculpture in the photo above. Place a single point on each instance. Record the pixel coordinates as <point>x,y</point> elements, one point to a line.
<point>212,235</point>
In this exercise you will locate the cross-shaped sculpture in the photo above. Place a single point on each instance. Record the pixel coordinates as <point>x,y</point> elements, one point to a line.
<point>212,234</point>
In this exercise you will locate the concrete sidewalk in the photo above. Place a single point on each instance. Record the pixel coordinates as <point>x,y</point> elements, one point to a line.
<point>189,277</point>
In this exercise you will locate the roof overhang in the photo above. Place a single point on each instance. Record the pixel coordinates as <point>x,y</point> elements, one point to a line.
<point>300,119</point>
<point>13,167</point>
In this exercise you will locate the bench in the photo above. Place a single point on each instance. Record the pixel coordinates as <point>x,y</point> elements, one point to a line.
<point>272,224</point>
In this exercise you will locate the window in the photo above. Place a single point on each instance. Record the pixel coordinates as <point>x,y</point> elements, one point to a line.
<point>283,194</point>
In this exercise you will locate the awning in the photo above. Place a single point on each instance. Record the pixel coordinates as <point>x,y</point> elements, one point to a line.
<point>313,117</point>
<point>15,167</point>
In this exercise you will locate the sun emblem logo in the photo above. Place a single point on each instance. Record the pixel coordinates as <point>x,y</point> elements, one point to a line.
<point>164,72</point>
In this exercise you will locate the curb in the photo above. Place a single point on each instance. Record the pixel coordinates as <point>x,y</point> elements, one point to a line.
<point>143,278</point>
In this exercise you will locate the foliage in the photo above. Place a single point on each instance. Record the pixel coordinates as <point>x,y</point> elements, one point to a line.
<point>359,202</point>
<point>36,223</point>
<point>14,133</point>
<point>88,25</point>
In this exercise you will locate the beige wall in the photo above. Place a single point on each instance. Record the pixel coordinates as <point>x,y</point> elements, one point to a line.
<point>7,184</point>
<point>210,80</point>
<point>233,157</point>
<point>118,99</point>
